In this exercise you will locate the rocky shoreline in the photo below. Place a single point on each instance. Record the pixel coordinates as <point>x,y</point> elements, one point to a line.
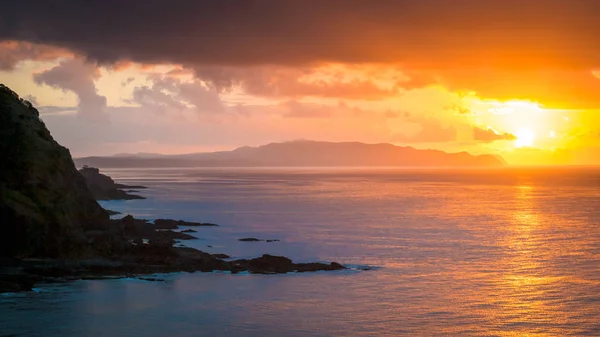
<point>130,247</point>
<point>53,229</point>
<point>144,249</point>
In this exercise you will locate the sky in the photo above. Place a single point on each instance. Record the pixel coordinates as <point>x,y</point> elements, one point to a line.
<point>520,79</point>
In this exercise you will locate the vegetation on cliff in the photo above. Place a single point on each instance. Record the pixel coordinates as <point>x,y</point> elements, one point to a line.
<point>45,205</point>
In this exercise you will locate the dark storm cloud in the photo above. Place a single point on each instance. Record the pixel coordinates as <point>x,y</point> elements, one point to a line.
<point>423,33</point>
<point>277,81</point>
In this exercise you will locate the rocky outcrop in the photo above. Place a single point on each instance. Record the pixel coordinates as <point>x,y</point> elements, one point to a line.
<point>270,264</point>
<point>257,240</point>
<point>174,224</point>
<point>45,205</point>
<point>139,229</point>
<point>104,188</point>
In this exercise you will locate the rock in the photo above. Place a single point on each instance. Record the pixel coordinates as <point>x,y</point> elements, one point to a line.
<point>257,240</point>
<point>134,227</point>
<point>315,266</point>
<point>336,266</point>
<point>104,188</point>
<point>270,264</point>
<point>151,279</point>
<point>174,224</point>
<point>137,187</point>
<point>221,256</point>
<point>189,231</point>
<point>165,224</point>
<point>174,235</point>
<point>17,282</point>
<point>250,240</point>
<point>45,205</point>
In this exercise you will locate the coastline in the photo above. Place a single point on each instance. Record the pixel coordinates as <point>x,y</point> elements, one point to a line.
<point>130,247</point>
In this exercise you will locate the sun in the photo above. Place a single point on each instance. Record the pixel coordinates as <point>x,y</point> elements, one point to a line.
<point>525,138</point>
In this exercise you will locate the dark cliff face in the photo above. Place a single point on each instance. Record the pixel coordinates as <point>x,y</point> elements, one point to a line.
<point>45,205</point>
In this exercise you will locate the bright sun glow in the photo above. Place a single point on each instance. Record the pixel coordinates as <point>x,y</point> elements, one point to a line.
<point>525,138</point>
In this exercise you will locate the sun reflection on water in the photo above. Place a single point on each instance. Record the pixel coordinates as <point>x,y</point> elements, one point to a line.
<point>526,289</point>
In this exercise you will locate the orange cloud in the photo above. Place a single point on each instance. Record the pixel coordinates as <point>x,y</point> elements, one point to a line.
<point>13,52</point>
<point>490,135</point>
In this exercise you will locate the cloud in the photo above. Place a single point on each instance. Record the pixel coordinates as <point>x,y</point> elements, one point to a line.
<point>127,81</point>
<point>569,88</point>
<point>431,131</point>
<point>324,80</point>
<point>537,50</point>
<point>155,100</point>
<point>77,76</point>
<point>56,110</point>
<point>489,135</point>
<point>172,94</point>
<point>425,33</point>
<point>13,52</point>
<point>299,110</point>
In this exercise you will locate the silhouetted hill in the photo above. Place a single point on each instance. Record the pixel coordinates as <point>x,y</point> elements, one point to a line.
<point>45,205</point>
<point>306,153</point>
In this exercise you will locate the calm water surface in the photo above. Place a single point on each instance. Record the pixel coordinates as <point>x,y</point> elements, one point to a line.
<point>454,253</point>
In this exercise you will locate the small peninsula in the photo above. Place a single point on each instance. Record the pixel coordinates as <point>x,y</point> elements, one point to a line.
<point>103,187</point>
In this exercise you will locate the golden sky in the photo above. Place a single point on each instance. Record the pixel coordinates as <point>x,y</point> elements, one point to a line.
<point>521,80</point>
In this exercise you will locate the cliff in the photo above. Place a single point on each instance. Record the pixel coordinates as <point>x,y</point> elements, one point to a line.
<point>45,205</point>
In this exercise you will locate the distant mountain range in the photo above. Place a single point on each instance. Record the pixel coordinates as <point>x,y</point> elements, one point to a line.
<point>302,153</point>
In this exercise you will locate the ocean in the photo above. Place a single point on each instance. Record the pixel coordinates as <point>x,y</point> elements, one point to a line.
<point>506,252</point>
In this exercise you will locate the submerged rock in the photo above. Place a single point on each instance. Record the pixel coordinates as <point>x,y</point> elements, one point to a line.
<point>257,240</point>
<point>250,240</point>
